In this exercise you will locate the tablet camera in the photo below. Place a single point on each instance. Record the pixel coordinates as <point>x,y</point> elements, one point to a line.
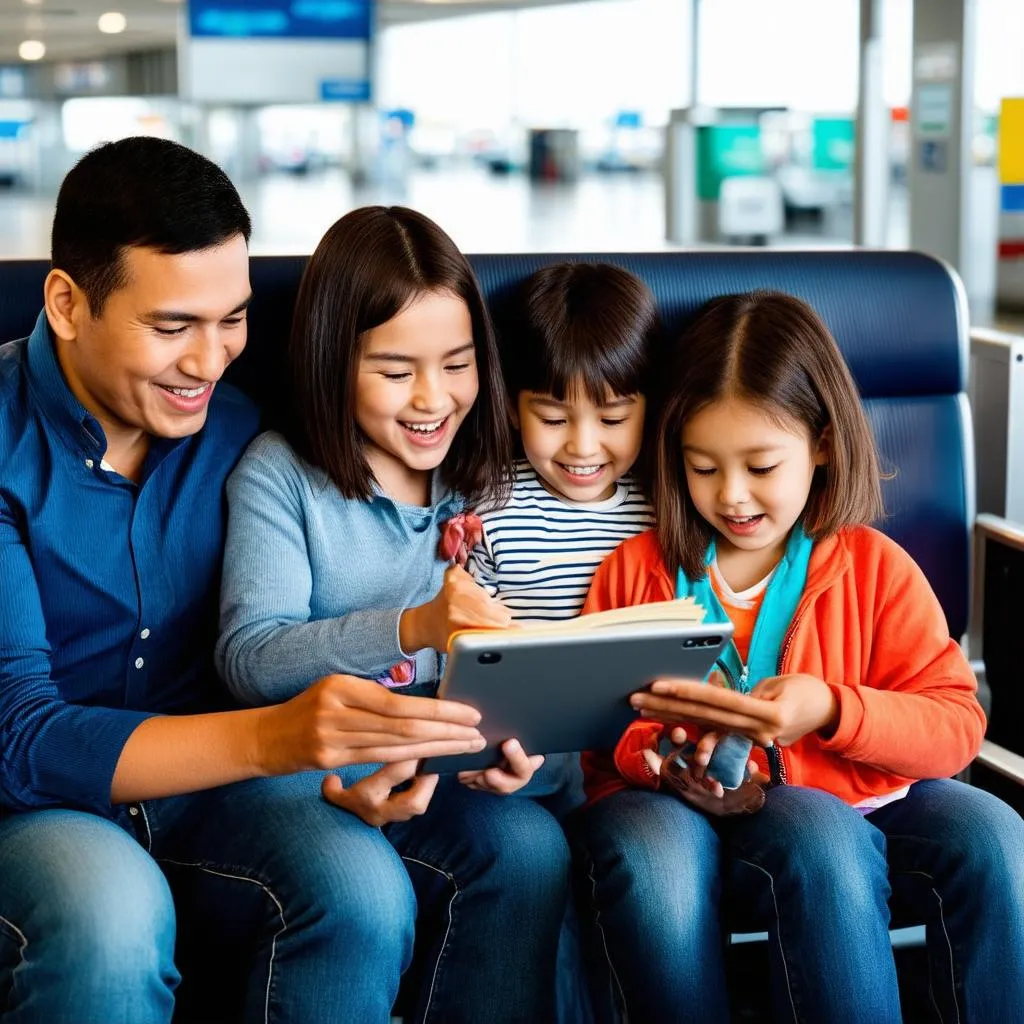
<point>702,641</point>
<point>489,658</point>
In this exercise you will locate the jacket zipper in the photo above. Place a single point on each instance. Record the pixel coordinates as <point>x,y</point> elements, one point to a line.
<point>776,766</point>
<point>719,663</point>
<point>776,762</point>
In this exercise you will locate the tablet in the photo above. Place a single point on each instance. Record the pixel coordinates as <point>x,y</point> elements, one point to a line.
<point>557,692</point>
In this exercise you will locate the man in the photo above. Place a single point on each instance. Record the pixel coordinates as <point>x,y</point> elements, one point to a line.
<point>115,441</point>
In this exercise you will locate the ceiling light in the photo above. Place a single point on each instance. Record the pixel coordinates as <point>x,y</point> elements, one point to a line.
<point>31,49</point>
<point>112,22</point>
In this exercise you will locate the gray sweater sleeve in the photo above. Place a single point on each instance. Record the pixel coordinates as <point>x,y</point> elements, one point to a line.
<point>268,649</point>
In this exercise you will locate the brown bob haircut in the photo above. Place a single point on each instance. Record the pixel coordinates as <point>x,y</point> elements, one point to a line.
<point>586,325</point>
<point>771,349</point>
<point>367,268</point>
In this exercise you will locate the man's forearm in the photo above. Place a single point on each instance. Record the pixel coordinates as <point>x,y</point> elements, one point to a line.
<point>172,754</point>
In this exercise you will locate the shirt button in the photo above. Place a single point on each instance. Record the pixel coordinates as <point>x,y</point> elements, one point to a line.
<point>133,811</point>
<point>139,663</point>
<point>144,634</point>
<point>89,463</point>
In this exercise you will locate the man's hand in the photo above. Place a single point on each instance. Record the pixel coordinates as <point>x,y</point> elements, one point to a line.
<point>342,720</point>
<point>507,778</point>
<point>373,799</point>
<point>461,603</point>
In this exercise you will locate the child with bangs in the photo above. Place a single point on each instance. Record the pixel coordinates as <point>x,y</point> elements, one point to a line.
<point>332,568</point>
<point>766,482</point>
<point>576,356</point>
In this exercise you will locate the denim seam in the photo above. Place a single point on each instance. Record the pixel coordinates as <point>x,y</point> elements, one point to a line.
<point>447,931</point>
<point>270,893</point>
<point>604,939</point>
<point>778,931</point>
<point>21,948</point>
<point>949,946</point>
<point>149,831</point>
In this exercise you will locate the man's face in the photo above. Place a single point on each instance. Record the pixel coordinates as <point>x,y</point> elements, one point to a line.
<point>150,361</point>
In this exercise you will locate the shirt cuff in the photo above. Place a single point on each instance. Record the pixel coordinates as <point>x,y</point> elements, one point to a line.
<point>75,763</point>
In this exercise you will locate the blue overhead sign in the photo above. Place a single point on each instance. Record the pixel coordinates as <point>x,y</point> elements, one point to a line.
<point>348,89</point>
<point>274,19</point>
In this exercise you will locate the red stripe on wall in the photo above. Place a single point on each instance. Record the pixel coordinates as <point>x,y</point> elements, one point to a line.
<point>1011,250</point>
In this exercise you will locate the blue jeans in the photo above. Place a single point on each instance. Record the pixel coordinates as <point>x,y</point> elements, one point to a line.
<point>819,877</point>
<point>319,906</point>
<point>649,885</point>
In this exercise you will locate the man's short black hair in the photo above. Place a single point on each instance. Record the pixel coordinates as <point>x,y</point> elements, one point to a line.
<point>142,192</point>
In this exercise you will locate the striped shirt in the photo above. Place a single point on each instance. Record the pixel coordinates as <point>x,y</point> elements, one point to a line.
<point>539,552</point>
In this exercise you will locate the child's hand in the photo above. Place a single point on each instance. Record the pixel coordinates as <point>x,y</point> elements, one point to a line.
<point>508,778</point>
<point>374,800</point>
<point>674,701</point>
<point>692,785</point>
<point>803,704</point>
<point>461,603</point>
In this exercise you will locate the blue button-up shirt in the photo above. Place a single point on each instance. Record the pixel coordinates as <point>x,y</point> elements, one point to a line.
<point>108,588</point>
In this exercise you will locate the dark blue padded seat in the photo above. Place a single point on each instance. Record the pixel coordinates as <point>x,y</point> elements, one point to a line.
<point>900,319</point>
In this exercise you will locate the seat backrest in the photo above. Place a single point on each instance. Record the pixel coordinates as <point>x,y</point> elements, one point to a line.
<point>900,319</point>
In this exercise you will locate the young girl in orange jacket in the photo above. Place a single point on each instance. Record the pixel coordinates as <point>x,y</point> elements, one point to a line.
<point>842,671</point>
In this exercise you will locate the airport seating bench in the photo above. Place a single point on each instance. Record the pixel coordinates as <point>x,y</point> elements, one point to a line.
<point>900,319</point>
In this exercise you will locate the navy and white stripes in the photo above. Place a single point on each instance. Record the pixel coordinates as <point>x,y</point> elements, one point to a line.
<point>540,552</point>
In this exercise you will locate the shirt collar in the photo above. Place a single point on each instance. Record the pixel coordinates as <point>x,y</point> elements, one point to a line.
<point>440,496</point>
<point>76,424</point>
<point>79,428</point>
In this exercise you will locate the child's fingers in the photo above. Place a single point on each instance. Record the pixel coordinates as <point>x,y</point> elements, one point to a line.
<point>754,774</point>
<point>706,747</point>
<point>678,736</point>
<point>508,778</point>
<point>654,760</point>
<point>520,763</point>
<point>412,801</point>
<point>500,782</point>
<point>372,798</point>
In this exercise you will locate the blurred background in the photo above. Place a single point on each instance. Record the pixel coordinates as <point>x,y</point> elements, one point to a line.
<point>527,125</point>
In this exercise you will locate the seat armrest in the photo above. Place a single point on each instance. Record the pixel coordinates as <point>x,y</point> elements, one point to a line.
<point>1007,536</point>
<point>1001,760</point>
<point>1004,530</point>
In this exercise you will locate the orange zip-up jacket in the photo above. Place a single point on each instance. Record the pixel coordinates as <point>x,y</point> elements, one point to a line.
<point>871,627</point>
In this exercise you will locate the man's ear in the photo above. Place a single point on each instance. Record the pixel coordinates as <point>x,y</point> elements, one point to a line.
<point>65,304</point>
<point>823,449</point>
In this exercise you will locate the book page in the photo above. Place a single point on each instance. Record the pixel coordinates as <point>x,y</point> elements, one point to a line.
<point>684,609</point>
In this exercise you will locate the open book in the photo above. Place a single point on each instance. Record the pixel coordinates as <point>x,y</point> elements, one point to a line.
<point>683,609</point>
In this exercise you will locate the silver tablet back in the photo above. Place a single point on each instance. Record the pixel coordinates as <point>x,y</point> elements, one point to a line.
<point>567,692</point>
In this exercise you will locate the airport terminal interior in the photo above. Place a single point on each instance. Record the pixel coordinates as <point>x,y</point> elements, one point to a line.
<point>526,125</point>
<point>567,126</point>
